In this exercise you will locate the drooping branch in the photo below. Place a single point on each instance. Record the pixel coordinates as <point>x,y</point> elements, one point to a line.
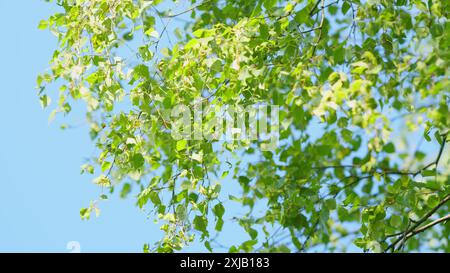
<point>427,226</point>
<point>384,171</point>
<point>415,228</point>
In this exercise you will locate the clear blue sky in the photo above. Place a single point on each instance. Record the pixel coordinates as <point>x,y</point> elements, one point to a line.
<point>41,189</point>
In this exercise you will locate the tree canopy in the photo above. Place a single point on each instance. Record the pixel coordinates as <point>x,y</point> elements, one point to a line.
<point>362,92</point>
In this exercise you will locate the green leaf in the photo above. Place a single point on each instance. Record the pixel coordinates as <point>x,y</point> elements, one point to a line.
<point>330,204</point>
<point>126,189</point>
<point>208,246</point>
<point>345,7</point>
<point>103,181</point>
<point>45,101</point>
<point>268,4</point>
<point>219,224</point>
<point>200,223</point>
<point>197,157</point>
<point>243,180</point>
<point>396,221</point>
<point>151,32</point>
<point>432,201</point>
<point>302,16</point>
<point>386,41</point>
<point>87,168</point>
<point>43,24</point>
<point>389,148</point>
<point>137,161</point>
<point>85,213</point>
<point>427,173</point>
<point>219,210</point>
<point>181,144</point>
<point>106,166</point>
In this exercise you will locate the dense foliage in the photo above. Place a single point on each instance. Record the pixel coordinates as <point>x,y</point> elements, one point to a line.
<point>363,92</point>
